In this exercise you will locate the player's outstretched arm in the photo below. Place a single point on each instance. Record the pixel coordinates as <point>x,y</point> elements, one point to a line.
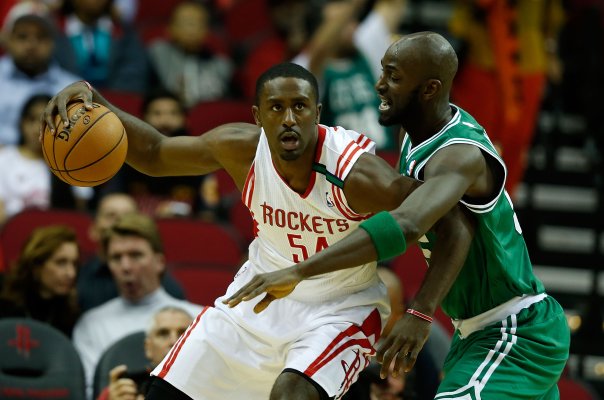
<point>372,186</point>
<point>454,233</point>
<point>155,154</point>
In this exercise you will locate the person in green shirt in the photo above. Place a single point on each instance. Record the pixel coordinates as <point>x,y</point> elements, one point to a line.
<point>511,339</point>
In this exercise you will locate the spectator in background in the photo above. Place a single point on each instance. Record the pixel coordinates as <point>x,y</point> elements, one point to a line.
<point>125,10</point>
<point>105,51</point>
<point>95,281</point>
<point>41,285</point>
<point>180,196</point>
<point>134,253</point>
<point>289,34</point>
<point>27,68</point>
<point>28,184</point>
<point>167,325</point>
<point>186,63</point>
<point>345,55</point>
<point>510,52</point>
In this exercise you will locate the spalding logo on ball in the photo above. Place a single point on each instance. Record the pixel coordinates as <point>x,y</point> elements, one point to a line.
<point>91,150</point>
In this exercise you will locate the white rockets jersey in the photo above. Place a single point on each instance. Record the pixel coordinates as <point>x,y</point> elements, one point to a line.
<point>291,227</point>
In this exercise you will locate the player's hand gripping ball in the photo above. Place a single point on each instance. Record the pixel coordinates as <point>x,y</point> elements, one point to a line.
<point>88,152</point>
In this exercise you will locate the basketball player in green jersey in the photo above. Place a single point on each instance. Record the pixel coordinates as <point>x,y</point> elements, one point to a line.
<point>511,339</point>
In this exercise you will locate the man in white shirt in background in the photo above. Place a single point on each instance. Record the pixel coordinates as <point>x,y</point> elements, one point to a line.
<point>135,256</point>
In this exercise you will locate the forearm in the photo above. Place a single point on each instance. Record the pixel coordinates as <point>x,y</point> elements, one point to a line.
<point>143,139</point>
<point>454,236</point>
<point>356,249</point>
<point>382,240</point>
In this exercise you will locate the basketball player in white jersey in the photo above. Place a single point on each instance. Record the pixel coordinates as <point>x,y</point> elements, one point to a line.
<point>307,186</point>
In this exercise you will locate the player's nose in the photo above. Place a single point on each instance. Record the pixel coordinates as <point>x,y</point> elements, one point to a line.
<point>289,118</point>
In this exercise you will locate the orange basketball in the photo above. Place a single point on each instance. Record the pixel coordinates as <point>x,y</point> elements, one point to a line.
<point>91,150</point>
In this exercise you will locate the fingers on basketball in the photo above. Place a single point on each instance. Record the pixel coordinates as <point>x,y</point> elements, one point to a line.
<point>88,152</point>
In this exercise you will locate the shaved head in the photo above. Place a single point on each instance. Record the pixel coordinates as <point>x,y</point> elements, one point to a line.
<point>415,86</point>
<point>427,54</point>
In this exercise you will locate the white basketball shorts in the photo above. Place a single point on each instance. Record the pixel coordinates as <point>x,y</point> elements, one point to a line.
<point>233,353</point>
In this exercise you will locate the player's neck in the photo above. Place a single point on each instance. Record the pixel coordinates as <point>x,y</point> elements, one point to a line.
<point>296,174</point>
<point>428,125</point>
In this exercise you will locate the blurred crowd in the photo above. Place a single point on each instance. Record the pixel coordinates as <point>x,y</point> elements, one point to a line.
<point>183,65</point>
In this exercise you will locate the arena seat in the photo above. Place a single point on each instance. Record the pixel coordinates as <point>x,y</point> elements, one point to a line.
<point>130,351</point>
<point>576,390</point>
<point>17,229</point>
<point>199,242</point>
<point>241,219</point>
<point>208,115</point>
<point>38,362</point>
<point>203,283</point>
<point>391,156</point>
<point>154,11</point>
<point>130,102</point>
<point>246,20</point>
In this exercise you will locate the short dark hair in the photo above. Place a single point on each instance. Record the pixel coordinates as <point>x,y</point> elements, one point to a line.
<point>160,93</point>
<point>32,101</point>
<point>134,224</point>
<point>286,70</point>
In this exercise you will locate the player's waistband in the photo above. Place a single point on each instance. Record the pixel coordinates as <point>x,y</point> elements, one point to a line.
<point>513,306</point>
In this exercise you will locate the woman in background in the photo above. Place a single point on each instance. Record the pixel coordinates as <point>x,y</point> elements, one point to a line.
<point>41,285</point>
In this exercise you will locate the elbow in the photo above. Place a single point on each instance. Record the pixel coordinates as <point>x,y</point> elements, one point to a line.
<point>146,161</point>
<point>410,228</point>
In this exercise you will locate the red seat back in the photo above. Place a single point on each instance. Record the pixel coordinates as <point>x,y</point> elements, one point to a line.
<point>572,389</point>
<point>199,242</point>
<point>203,283</point>
<point>241,219</point>
<point>208,115</point>
<point>17,229</point>
<point>245,20</point>
<point>130,102</point>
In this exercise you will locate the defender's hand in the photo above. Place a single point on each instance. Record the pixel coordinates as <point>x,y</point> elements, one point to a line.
<point>403,344</point>
<point>276,285</point>
<point>58,104</point>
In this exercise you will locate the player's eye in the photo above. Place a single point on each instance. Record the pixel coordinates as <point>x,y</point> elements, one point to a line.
<point>299,106</point>
<point>276,107</point>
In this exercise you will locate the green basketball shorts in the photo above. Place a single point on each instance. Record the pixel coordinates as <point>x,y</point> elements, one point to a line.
<point>519,357</point>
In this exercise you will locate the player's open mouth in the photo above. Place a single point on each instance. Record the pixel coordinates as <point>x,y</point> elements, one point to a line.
<point>384,104</point>
<point>289,141</point>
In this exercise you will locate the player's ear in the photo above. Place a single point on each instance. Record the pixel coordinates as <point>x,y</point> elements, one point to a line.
<point>319,108</point>
<point>257,118</point>
<point>432,88</point>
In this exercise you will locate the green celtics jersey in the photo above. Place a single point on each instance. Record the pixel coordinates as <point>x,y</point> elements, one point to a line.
<point>498,265</point>
<point>350,100</point>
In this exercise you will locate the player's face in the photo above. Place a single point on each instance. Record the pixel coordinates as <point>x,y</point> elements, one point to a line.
<point>398,91</point>
<point>57,275</point>
<point>168,326</point>
<point>289,113</point>
<point>30,46</point>
<point>135,267</point>
<point>165,115</point>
